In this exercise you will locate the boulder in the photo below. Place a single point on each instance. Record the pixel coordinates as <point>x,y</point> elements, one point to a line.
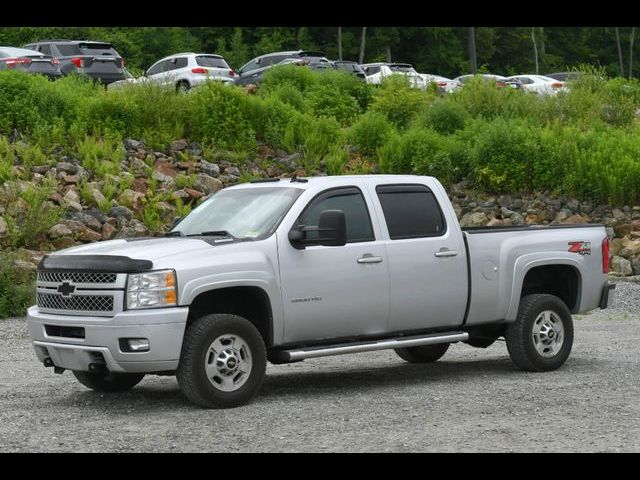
<point>165,167</point>
<point>131,199</point>
<point>121,213</point>
<point>71,201</point>
<point>622,229</point>
<point>59,230</point>
<point>179,145</point>
<point>576,220</point>
<point>211,169</point>
<point>207,184</point>
<point>474,219</point>
<point>621,266</point>
<point>108,231</point>
<point>131,144</point>
<point>235,171</point>
<point>629,248</point>
<point>616,246</point>
<point>67,167</point>
<point>88,235</point>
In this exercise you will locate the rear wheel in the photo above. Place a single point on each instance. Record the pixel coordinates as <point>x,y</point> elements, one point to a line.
<point>542,336</point>
<point>109,382</point>
<point>183,86</point>
<point>423,353</point>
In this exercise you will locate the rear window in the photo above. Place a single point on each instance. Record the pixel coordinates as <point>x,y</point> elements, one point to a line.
<point>212,62</point>
<point>411,211</point>
<point>68,50</point>
<point>401,68</point>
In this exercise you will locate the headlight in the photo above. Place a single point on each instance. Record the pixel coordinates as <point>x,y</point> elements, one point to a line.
<point>151,289</point>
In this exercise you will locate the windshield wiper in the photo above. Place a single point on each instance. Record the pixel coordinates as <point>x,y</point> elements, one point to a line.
<point>174,233</point>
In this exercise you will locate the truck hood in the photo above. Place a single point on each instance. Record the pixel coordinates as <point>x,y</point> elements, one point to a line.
<point>152,249</point>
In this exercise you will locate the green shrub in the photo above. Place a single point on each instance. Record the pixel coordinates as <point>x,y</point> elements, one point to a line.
<point>443,116</point>
<point>17,290</point>
<point>326,101</point>
<point>370,132</point>
<point>399,102</point>
<point>216,116</point>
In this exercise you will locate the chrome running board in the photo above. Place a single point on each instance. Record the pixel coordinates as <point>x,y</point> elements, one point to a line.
<point>399,342</point>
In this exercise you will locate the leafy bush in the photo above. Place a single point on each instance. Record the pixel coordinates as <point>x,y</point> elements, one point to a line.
<point>399,102</point>
<point>17,290</point>
<point>443,116</point>
<point>326,101</point>
<point>370,132</point>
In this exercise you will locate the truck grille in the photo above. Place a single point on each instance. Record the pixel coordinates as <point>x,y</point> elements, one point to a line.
<point>77,277</point>
<point>77,303</point>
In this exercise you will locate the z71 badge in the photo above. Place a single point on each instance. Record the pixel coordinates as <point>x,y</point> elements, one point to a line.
<point>583,248</point>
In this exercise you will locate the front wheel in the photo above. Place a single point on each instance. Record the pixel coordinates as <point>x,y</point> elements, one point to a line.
<point>542,336</point>
<point>109,382</point>
<point>223,361</point>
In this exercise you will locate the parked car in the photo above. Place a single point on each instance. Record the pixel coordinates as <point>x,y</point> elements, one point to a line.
<point>254,70</point>
<point>444,84</point>
<point>29,61</point>
<point>351,67</point>
<point>97,60</point>
<point>186,70</point>
<point>564,76</point>
<point>540,84</point>
<point>286,270</point>
<point>377,72</point>
<point>129,79</point>
<point>499,79</point>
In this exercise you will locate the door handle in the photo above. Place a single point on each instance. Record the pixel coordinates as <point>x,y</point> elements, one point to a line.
<point>446,253</point>
<point>369,258</point>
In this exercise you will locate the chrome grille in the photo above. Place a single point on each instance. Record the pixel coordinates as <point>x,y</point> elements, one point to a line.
<point>78,303</point>
<point>77,277</point>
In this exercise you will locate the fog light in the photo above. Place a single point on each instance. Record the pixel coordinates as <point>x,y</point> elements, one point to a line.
<point>134,344</point>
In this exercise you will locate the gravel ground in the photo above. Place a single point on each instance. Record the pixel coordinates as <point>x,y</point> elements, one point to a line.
<point>471,400</point>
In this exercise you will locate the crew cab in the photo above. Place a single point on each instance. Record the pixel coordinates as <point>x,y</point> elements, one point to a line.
<point>284,270</point>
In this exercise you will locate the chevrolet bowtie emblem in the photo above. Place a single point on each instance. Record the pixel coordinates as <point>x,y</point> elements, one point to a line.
<point>66,289</point>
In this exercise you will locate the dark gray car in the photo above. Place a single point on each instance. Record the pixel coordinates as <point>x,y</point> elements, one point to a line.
<point>29,61</point>
<point>351,67</point>
<point>97,60</point>
<point>254,70</point>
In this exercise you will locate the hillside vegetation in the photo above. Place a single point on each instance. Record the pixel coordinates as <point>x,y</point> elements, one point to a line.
<point>69,148</point>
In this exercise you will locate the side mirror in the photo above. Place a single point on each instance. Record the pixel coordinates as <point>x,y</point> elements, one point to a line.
<point>330,232</point>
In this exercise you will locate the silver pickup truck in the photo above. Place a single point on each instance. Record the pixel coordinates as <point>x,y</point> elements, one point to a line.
<point>289,269</point>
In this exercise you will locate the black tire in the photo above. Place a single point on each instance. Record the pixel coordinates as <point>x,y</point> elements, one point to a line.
<point>423,353</point>
<point>198,338</point>
<point>481,342</point>
<point>109,382</point>
<point>183,86</point>
<point>520,334</point>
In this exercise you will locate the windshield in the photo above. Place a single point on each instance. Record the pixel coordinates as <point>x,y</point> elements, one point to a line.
<point>402,68</point>
<point>245,213</point>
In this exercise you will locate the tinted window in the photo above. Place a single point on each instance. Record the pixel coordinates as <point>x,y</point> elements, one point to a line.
<point>66,50</point>
<point>46,49</point>
<point>272,60</point>
<point>252,65</point>
<point>351,202</point>
<point>372,70</point>
<point>176,63</point>
<point>212,62</point>
<point>411,211</point>
<point>157,68</point>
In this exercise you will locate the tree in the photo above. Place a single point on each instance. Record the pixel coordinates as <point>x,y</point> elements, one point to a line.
<point>619,51</point>
<point>631,35</point>
<point>535,48</point>
<point>363,37</point>
<point>339,43</point>
<point>473,57</point>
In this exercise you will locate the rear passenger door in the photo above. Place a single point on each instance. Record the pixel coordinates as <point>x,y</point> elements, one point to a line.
<point>427,260</point>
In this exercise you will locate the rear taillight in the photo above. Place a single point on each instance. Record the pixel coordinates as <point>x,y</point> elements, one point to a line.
<point>55,61</point>
<point>231,73</point>
<point>557,85</point>
<point>199,70</point>
<point>605,255</point>
<point>78,62</point>
<point>442,84</point>
<point>12,62</point>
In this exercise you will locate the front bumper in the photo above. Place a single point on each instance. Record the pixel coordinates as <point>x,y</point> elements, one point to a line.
<point>163,327</point>
<point>607,294</point>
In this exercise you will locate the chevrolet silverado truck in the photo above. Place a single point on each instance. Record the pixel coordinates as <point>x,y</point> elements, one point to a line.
<point>284,270</point>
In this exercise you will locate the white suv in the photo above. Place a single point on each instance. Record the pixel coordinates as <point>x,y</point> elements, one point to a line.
<point>186,70</point>
<point>376,72</point>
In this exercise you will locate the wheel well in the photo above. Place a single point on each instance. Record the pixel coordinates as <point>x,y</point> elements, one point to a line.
<point>251,303</point>
<point>562,281</point>
<point>182,82</point>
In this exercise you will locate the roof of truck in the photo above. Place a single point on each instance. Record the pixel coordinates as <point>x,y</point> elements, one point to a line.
<point>309,182</point>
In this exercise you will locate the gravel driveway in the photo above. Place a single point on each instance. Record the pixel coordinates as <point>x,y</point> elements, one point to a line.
<point>471,400</point>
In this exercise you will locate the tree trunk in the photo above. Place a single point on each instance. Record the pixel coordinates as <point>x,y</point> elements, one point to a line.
<point>631,35</point>
<point>535,48</point>
<point>388,53</point>
<point>363,38</point>
<point>543,50</point>
<point>339,43</point>
<point>472,50</point>
<point>619,52</point>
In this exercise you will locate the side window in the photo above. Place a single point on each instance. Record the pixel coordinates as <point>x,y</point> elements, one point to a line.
<point>525,80</point>
<point>252,65</point>
<point>176,63</point>
<point>157,68</point>
<point>352,203</point>
<point>411,211</point>
<point>45,49</point>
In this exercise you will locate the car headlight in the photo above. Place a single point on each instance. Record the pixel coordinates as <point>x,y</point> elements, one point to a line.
<point>152,289</point>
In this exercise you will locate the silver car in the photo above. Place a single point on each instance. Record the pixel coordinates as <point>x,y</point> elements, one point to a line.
<point>186,70</point>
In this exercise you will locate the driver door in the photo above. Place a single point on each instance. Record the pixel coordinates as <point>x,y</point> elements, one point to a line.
<point>332,292</point>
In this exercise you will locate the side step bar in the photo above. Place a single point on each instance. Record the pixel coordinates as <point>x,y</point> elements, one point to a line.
<point>400,342</point>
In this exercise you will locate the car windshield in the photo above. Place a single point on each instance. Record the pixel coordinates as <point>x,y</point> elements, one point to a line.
<point>211,61</point>
<point>245,213</point>
<point>402,68</point>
